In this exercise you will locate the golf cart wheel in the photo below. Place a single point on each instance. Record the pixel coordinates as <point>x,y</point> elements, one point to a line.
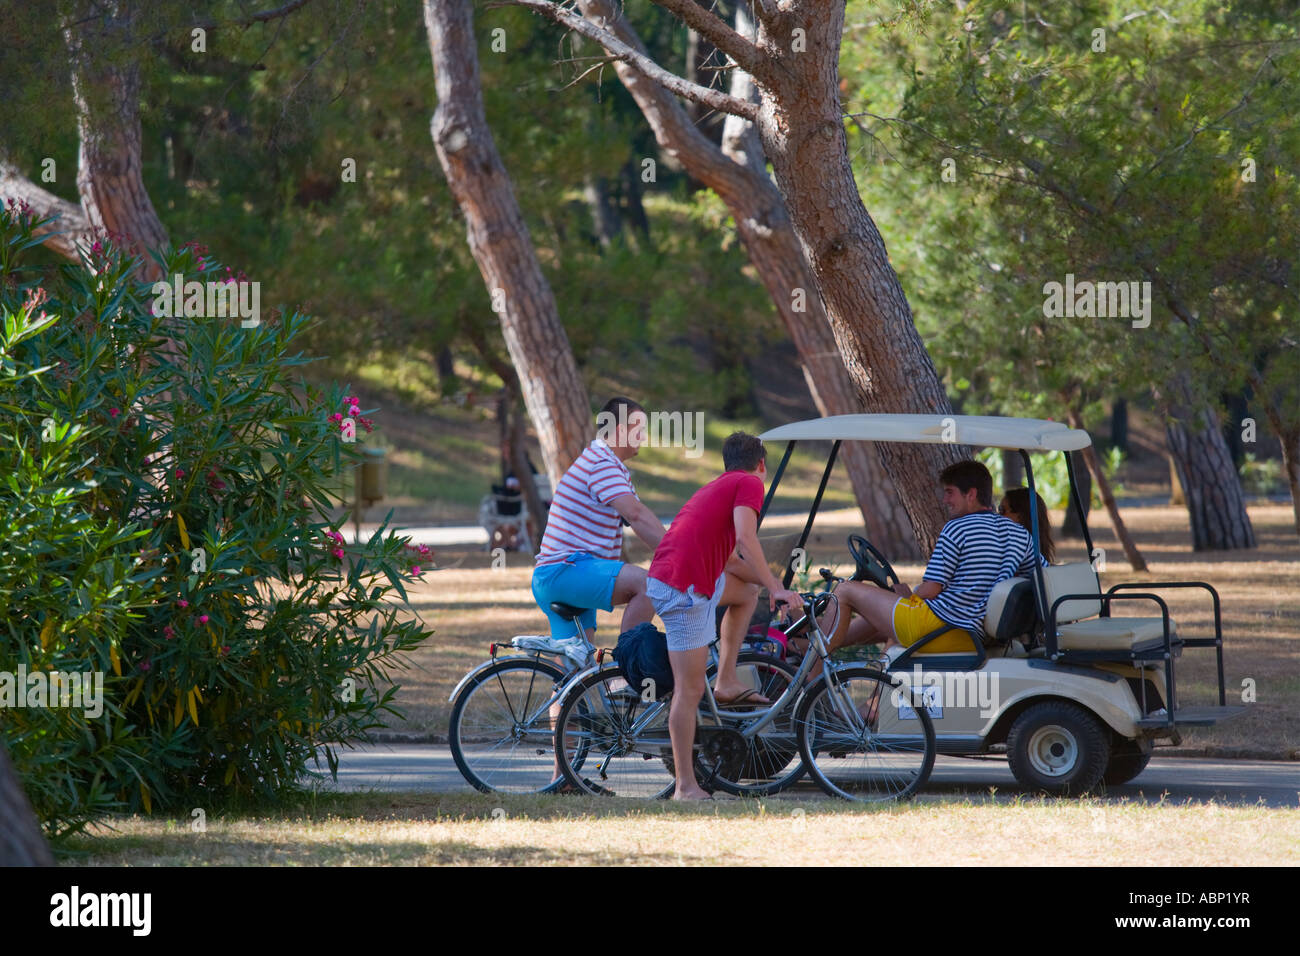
<point>1058,748</point>
<point>1128,758</point>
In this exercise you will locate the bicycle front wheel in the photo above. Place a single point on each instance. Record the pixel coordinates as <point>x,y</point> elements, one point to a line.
<point>612,742</point>
<point>502,730</point>
<point>860,741</point>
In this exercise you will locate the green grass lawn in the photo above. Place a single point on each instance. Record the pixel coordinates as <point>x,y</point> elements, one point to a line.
<point>474,829</point>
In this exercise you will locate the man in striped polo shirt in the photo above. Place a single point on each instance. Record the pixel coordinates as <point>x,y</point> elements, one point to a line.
<point>580,559</point>
<point>976,549</point>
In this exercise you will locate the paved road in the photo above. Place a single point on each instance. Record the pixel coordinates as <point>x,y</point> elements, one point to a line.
<point>430,768</point>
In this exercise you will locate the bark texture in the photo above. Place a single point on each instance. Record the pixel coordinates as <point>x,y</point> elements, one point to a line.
<point>553,390</point>
<point>802,131</point>
<point>109,171</point>
<point>737,173</point>
<point>21,841</point>
<point>1212,491</point>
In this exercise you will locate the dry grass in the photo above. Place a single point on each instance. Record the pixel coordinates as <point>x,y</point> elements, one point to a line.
<point>471,604</point>
<point>426,829</point>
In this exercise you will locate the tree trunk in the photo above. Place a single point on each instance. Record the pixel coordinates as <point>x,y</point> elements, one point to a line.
<point>633,208</point>
<point>1072,527</point>
<point>802,130</point>
<point>1176,496</point>
<point>737,173</point>
<point>1119,425</point>
<point>1013,471</point>
<point>604,217</point>
<point>106,92</point>
<point>1216,506</point>
<point>21,841</point>
<point>1135,559</point>
<point>499,241</point>
<point>1289,437</point>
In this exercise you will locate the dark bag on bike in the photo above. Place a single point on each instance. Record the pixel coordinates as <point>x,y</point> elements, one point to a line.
<point>642,654</point>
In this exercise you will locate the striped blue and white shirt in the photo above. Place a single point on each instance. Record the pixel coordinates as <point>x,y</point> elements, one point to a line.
<point>975,552</point>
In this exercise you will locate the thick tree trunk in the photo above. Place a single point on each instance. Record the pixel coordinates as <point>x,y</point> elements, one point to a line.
<point>800,124</point>
<point>21,841</point>
<point>1216,506</point>
<point>737,173</point>
<point>499,241</point>
<point>107,96</point>
<point>1135,559</point>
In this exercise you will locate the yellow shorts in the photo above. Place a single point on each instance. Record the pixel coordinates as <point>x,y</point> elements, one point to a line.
<point>913,619</point>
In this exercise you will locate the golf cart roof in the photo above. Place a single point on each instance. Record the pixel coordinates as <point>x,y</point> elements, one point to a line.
<point>1030,434</point>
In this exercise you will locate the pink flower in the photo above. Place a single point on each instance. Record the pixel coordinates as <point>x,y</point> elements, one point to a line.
<point>168,632</point>
<point>145,665</point>
<point>415,569</point>
<point>114,412</point>
<point>354,411</point>
<point>351,400</point>
<point>336,417</point>
<point>180,472</point>
<point>182,603</point>
<point>203,619</point>
<point>338,553</point>
<point>225,649</point>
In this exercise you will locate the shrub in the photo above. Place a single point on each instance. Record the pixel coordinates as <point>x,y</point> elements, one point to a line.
<point>167,512</point>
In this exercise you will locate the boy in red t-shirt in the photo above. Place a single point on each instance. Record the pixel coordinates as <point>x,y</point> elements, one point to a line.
<point>710,556</point>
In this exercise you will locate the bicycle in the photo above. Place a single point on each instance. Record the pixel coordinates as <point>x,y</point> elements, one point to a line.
<point>847,739</point>
<point>501,732</point>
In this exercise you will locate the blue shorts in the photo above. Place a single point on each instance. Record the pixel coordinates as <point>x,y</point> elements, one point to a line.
<point>582,580</point>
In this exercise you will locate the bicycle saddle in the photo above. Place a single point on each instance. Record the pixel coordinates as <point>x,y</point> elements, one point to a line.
<point>566,611</point>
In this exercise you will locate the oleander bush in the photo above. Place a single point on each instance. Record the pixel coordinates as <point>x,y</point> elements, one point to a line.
<point>166,502</point>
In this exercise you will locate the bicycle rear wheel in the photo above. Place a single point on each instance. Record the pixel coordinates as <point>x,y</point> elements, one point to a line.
<point>612,742</point>
<point>502,734</point>
<point>859,742</point>
<point>770,761</point>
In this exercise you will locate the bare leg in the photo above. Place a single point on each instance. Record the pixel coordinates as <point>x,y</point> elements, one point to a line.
<point>688,680</point>
<point>873,624</point>
<point>739,598</point>
<point>629,589</point>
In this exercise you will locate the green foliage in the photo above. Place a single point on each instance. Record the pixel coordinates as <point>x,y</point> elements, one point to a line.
<point>1260,477</point>
<point>166,525</point>
<point>1164,157</point>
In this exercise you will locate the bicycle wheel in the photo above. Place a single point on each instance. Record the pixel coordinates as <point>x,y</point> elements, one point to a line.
<point>770,760</point>
<point>502,734</point>
<point>887,758</point>
<point>611,742</point>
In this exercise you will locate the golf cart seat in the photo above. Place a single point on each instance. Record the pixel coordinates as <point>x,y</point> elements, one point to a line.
<point>1011,612</point>
<point>1080,631</point>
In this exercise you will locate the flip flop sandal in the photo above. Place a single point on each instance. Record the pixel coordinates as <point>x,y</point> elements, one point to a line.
<point>744,699</point>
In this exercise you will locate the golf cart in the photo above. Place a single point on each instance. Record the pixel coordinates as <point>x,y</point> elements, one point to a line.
<point>1075,695</point>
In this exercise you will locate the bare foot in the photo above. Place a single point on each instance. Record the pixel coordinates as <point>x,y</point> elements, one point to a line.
<point>696,794</point>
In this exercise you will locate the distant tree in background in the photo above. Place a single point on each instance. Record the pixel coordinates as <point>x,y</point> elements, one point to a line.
<point>1051,157</point>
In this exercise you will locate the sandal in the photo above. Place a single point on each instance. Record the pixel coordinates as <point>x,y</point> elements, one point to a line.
<point>747,697</point>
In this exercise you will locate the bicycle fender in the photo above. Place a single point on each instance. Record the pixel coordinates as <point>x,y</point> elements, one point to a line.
<point>564,691</point>
<point>478,670</point>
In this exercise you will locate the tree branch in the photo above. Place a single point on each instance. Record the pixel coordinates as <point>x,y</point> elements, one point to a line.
<point>714,99</point>
<point>70,221</point>
<point>713,29</point>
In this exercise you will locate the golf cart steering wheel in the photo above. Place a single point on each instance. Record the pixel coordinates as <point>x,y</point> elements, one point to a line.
<point>872,565</point>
